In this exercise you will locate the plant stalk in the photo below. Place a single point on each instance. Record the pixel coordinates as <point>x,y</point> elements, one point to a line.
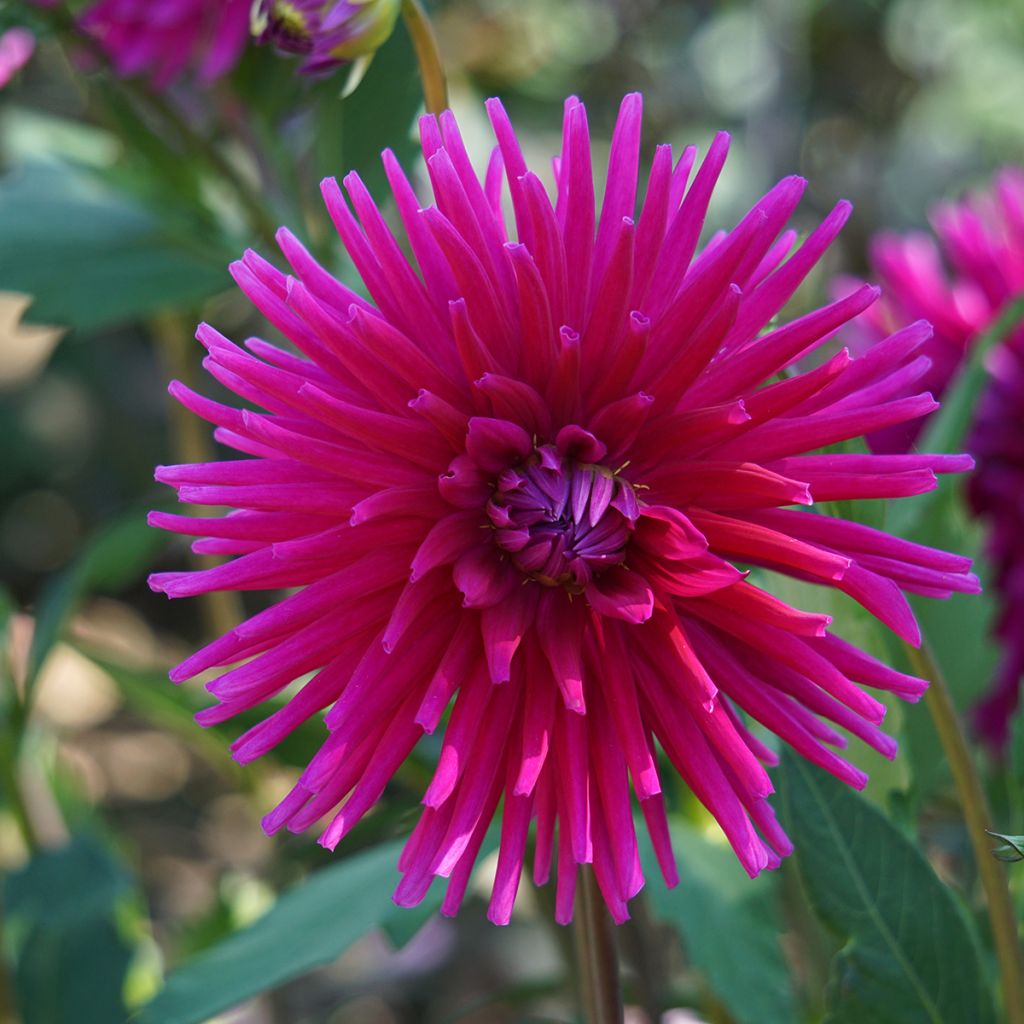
<point>596,960</point>
<point>260,223</point>
<point>428,55</point>
<point>978,817</point>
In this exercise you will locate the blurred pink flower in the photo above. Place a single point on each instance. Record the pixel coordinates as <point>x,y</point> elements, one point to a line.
<point>513,490</point>
<point>161,39</point>
<point>327,33</point>
<point>961,282</point>
<point>16,48</point>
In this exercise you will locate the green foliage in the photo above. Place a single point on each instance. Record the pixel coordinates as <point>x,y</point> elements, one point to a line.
<point>92,256</point>
<point>909,956</point>
<point>65,932</point>
<point>1011,851</point>
<point>115,558</point>
<point>308,927</point>
<point>728,926</point>
<point>378,115</point>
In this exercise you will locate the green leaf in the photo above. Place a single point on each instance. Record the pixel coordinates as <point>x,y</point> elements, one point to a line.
<point>308,927</point>
<point>63,927</point>
<point>115,558</point>
<point>91,256</point>
<point>727,925</point>
<point>909,956</point>
<point>353,132</point>
<point>1013,850</point>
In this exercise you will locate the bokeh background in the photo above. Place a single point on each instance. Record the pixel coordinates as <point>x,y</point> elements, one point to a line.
<point>123,248</point>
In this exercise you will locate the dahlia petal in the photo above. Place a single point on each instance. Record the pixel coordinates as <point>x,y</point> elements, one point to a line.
<point>771,295</point>
<point>619,690</point>
<point>575,207</point>
<point>513,398</point>
<point>473,788</point>
<point>459,880</point>
<point>622,595</point>
<point>515,825</point>
<point>451,671</point>
<point>686,225</point>
<point>574,781</point>
<point>503,627</point>
<point>538,725</point>
<point>417,595</point>
<point>483,582</point>
<point>653,808</point>
<point>558,621</point>
<point>496,444</point>
<point>459,736</point>
<point>773,352</point>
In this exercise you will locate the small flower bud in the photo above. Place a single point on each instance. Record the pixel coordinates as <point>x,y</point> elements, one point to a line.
<point>326,34</point>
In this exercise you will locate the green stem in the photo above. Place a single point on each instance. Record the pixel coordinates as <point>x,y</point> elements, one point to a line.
<point>978,817</point>
<point>428,55</point>
<point>260,222</point>
<point>164,111</point>
<point>596,959</point>
<point>9,758</point>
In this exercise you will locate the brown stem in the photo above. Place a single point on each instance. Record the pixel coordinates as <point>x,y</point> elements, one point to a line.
<point>428,55</point>
<point>596,959</point>
<point>221,609</point>
<point>978,817</point>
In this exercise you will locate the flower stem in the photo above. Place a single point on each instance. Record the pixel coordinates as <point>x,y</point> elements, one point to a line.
<point>162,109</point>
<point>596,960</point>
<point>978,817</point>
<point>428,54</point>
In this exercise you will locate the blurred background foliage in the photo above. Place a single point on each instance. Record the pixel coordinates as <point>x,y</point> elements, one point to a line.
<point>119,214</point>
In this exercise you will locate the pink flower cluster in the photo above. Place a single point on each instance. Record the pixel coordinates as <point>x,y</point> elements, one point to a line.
<point>16,48</point>
<point>531,496</point>
<point>961,280</point>
<point>161,39</point>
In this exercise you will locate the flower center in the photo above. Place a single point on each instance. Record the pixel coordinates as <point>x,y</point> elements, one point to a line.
<point>563,522</point>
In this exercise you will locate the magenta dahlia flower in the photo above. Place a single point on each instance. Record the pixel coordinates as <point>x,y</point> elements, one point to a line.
<point>961,283</point>
<point>515,492</point>
<point>161,39</point>
<point>16,48</point>
<point>328,33</point>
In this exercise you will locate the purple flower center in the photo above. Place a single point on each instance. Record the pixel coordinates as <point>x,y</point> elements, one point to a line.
<point>562,521</point>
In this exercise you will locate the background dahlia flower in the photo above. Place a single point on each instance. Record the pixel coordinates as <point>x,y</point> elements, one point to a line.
<point>16,48</point>
<point>961,280</point>
<point>161,39</point>
<point>327,33</point>
<point>517,491</point>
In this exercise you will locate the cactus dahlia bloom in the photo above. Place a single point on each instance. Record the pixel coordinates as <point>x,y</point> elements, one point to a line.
<point>520,492</point>
<point>326,32</point>
<point>162,38</point>
<point>981,240</point>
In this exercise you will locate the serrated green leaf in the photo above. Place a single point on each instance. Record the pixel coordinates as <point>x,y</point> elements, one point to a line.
<point>309,926</point>
<point>909,957</point>
<point>62,928</point>
<point>727,924</point>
